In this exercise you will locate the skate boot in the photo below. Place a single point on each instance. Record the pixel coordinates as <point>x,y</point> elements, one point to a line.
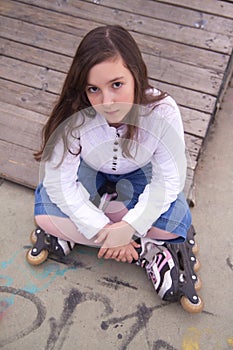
<point>172,270</point>
<point>159,266</point>
<point>149,248</point>
<point>45,244</point>
<point>186,282</point>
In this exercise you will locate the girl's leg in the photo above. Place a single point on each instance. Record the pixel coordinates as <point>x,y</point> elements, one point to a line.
<point>50,218</point>
<point>116,210</point>
<point>174,224</point>
<point>62,228</point>
<point>160,235</point>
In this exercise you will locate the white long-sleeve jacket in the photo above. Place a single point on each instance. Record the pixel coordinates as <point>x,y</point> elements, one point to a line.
<point>160,141</point>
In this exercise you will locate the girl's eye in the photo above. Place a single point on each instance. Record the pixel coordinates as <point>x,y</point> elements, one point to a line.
<point>117,85</point>
<point>92,89</point>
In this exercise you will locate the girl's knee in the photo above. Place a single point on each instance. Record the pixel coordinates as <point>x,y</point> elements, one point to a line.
<point>115,211</point>
<point>43,221</point>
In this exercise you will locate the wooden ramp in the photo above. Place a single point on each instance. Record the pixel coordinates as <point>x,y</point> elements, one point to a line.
<point>187,46</point>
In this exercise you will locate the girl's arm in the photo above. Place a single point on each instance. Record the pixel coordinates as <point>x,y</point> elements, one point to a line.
<point>69,194</point>
<point>169,170</point>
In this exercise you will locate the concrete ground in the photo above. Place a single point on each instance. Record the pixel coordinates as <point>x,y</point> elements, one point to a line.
<point>90,304</point>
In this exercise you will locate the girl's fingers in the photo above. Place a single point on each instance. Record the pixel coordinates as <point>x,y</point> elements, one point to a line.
<point>135,244</point>
<point>108,255</point>
<point>111,254</point>
<point>124,254</point>
<point>102,252</point>
<point>122,260</point>
<point>115,254</point>
<point>134,254</point>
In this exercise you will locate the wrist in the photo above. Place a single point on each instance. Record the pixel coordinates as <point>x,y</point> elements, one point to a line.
<point>131,229</point>
<point>129,232</point>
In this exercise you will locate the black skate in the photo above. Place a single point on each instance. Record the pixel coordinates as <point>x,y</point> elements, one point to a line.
<point>45,244</point>
<point>172,271</point>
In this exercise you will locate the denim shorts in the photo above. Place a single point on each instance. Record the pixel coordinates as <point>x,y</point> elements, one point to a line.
<point>177,219</point>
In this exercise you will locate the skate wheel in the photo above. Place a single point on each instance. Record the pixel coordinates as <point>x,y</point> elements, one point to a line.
<point>191,307</point>
<point>195,248</point>
<point>33,237</point>
<point>36,260</point>
<point>197,265</point>
<point>198,284</point>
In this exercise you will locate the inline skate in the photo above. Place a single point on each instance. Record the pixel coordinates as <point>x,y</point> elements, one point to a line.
<point>172,270</point>
<point>45,244</point>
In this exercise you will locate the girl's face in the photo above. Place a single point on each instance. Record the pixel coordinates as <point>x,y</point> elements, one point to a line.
<point>110,89</point>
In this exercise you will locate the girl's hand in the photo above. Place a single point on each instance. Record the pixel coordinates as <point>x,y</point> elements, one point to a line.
<point>115,235</point>
<point>125,253</point>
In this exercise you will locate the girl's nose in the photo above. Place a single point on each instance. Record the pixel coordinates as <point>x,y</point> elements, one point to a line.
<point>107,98</point>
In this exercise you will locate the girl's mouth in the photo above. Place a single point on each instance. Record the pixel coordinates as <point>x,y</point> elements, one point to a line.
<point>111,112</point>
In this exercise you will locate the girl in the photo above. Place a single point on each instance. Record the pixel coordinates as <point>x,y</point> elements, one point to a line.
<point>111,136</point>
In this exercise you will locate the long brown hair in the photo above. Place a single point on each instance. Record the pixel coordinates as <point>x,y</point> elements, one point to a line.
<point>100,44</point>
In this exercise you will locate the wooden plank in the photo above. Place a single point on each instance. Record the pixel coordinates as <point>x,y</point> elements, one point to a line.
<point>20,126</point>
<point>28,74</point>
<point>214,7</point>
<point>193,146</point>
<point>48,19</point>
<point>189,188</point>
<point>61,63</point>
<point>42,101</point>
<point>150,45</point>
<point>24,127</point>
<point>181,53</point>
<point>34,55</point>
<point>176,73</point>
<point>189,98</point>
<point>18,165</point>
<point>26,97</point>
<point>134,22</point>
<point>174,14</point>
<point>49,33</point>
<point>38,36</point>
<point>195,122</point>
<point>225,83</point>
